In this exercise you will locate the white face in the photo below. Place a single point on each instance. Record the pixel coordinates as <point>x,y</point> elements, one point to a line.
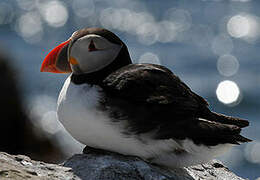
<point>92,53</point>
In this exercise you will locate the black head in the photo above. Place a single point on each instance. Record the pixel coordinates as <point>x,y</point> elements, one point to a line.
<point>90,54</point>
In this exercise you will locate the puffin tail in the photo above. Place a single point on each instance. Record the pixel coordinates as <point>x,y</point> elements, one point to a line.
<point>242,139</point>
<point>229,121</point>
<point>221,118</point>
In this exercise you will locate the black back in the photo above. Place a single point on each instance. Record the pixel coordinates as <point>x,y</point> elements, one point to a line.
<point>152,99</point>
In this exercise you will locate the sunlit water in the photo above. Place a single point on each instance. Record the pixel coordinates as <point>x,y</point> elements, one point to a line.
<point>213,46</point>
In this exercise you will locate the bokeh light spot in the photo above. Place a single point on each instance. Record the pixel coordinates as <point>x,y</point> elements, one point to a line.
<point>227,65</point>
<point>55,13</point>
<point>254,28</point>
<point>167,31</point>
<point>111,18</point>
<point>149,58</point>
<point>29,26</point>
<point>147,33</point>
<point>238,26</point>
<point>227,92</point>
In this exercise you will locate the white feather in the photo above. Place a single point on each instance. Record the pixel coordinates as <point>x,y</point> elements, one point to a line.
<point>77,111</point>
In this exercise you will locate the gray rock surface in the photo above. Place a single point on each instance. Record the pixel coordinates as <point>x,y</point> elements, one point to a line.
<point>105,166</point>
<point>22,167</point>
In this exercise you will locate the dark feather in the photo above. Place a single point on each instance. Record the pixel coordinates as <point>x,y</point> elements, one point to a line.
<point>152,99</point>
<point>230,120</point>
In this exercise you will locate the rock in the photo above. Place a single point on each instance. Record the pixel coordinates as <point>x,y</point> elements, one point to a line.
<point>95,165</point>
<point>106,166</point>
<point>19,167</point>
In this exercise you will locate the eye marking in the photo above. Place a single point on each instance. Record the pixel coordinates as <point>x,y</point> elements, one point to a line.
<point>92,46</point>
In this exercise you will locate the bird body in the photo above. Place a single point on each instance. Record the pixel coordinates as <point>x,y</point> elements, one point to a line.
<point>93,127</point>
<point>142,110</point>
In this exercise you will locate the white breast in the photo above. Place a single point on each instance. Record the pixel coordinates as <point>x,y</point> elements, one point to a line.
<point>77,111</point>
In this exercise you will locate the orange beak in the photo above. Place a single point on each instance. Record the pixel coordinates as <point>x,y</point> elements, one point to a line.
<point>50,62</point>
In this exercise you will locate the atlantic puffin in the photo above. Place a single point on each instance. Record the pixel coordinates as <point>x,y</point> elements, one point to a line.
<point>143,110</point>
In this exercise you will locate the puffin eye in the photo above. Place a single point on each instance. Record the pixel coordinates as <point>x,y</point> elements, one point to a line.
<point>92,46</point>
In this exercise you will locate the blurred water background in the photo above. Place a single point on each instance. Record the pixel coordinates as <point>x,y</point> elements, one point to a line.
<point>212,45</point>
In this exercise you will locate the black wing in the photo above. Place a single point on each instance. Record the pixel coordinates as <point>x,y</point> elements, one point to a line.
<point>151,98</point>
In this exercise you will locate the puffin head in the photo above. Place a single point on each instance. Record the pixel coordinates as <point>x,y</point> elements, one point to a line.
<point>88,52</point>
